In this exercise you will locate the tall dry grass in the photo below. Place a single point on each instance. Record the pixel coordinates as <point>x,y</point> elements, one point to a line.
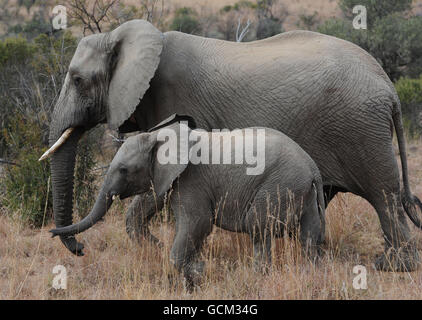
<point>114,267</point>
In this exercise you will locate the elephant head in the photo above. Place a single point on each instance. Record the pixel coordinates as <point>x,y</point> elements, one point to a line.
<point>107,78</point>
<point>136,167</point>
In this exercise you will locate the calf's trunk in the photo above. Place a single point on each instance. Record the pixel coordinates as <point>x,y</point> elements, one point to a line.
<point>102,204</point>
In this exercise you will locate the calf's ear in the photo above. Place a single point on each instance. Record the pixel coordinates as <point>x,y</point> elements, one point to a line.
<point>170,148</point>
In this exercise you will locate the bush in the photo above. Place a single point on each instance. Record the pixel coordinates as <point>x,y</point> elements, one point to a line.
<point>27,185</point>
<point>375,9</point>
<point>393,36</point>
<point>308,21</point>
<point>31,76</point>
<point>268,27</point>
<point>228,20</point>
<point>410,94</point>
<point>15,51</point>
<point>15,55</point>
<point>268,23</point>
<point>32,28</point>
<point>185,20</point>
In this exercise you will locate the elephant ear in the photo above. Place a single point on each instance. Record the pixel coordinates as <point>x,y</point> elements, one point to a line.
<point>170,143</point>
<point>137,47</point>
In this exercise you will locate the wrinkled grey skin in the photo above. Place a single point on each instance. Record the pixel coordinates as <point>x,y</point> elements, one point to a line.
<point>328,95</point>
<point>286,196</point>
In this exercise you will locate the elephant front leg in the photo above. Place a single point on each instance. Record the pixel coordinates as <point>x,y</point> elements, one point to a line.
<point>139,213</point>
<point>190,236</point>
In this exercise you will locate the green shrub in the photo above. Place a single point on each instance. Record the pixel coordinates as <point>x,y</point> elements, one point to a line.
<point>31,28</point>
<point>185,20</point>
<point>393,36</point>
<point>37,68</point>
<point>268,24</point>
<point>27,185</point>
<point>308,21</point>
<point>410,94</point>
<point>268,27</point>
<point>376,9</point>
<point>15,51</point>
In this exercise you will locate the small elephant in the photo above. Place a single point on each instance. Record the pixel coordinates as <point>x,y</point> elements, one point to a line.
<point>283,193</point>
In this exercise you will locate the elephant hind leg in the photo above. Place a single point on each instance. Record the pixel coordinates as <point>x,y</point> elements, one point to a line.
<point>370,170</point>
<point>383,193</point>
<point>400,252</point>
<point>311,230</point>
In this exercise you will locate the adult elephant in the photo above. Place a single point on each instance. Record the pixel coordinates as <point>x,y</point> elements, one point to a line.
<point>327,94</point>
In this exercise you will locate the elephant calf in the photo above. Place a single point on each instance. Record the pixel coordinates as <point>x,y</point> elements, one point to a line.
<point>282,193</point>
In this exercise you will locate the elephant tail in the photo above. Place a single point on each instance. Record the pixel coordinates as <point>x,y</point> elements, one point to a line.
<point>409,201</point>
<point>317,183</point>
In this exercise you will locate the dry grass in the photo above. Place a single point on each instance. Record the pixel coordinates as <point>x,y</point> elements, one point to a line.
<point>116,268</point>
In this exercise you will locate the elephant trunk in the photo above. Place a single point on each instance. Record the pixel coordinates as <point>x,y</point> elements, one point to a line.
<point>62,171</point>
<point>101,206</point>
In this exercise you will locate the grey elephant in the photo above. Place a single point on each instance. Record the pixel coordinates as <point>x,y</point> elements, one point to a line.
<point>284,194</point>
<point>328,95</point>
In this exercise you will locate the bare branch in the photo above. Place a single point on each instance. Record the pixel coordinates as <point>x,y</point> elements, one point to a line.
<point>245,30</point>
<point>153,10</point>
<point>91,17</point>
<point>8,162</point>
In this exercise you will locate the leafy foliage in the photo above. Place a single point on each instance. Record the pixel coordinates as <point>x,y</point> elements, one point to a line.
<point>393,37</point>
<point>268,27</point>
<point>266,20</point>
<point>308,21</point>
<point>185,20</point>
<point>31,76</point>
<point>32,28</point>
<point>269,24</point>
<point>15,51</point>
<point>27,185</point>
<point>376,9</point>
<point>410,94</point>
<point>229,16</point>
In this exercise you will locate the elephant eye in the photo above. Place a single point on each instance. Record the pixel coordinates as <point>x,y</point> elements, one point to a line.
<point>123,170</point>
<point>77,81</point>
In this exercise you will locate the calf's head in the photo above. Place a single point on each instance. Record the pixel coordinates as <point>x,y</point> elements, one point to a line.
<point>148,160</point>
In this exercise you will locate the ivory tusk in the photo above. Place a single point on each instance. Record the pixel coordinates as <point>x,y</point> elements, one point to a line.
<point>113,197</point>
<point>57,144</point>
